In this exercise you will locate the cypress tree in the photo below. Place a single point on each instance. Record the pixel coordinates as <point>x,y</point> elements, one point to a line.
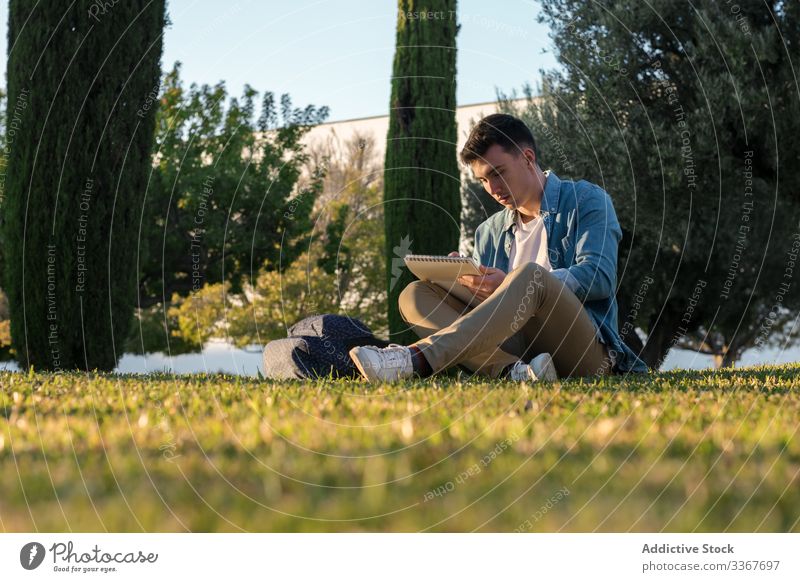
<point>422,203</point>
<point>83,82</point>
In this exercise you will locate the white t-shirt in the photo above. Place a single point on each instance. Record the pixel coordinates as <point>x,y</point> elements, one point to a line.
<point>529,244</point>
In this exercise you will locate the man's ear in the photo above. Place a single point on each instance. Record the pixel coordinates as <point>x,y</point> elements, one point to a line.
<point>530,156</point>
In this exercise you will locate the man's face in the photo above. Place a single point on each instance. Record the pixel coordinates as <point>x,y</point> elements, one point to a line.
<point>508,177</point>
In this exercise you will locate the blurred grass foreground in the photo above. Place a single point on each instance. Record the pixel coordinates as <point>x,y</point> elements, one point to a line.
<point>673,451</point>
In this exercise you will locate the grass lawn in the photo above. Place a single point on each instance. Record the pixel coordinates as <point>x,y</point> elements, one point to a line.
<point>674,451</point>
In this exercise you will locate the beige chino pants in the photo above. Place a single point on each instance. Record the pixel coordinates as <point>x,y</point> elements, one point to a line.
<point>529,313</point>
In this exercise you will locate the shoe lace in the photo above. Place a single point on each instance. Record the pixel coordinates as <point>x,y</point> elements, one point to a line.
<point>396,356</point>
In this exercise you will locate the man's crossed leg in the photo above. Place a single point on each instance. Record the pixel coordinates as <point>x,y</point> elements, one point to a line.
<point>529,314</point>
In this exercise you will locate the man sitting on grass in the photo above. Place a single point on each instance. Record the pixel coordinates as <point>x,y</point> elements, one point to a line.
<point>549,262</point>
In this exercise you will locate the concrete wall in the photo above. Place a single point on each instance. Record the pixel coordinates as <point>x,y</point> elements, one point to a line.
<point>377,127</point>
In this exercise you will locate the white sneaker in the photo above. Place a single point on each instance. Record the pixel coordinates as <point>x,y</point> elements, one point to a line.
<point>387,364</point>
<point>541,368</point>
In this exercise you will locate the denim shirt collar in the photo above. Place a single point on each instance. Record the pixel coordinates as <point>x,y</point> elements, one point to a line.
<point>552,190</point>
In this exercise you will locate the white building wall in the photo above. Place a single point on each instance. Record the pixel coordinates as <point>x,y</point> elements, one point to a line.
<point>377,127</point>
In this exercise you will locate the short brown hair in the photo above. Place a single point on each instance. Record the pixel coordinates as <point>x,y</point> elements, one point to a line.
<point>499,128</point>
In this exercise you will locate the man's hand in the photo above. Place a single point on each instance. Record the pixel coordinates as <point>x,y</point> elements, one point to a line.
<point>483,285</point>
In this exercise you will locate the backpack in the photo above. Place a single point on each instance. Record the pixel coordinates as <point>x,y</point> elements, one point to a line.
<point>318,346</point>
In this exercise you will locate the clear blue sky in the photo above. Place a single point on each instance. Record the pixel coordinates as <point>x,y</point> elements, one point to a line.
<point>339,53</point>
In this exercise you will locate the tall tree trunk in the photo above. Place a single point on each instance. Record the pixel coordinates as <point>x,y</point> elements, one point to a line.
<point>725,359</point>
<point>421,180</point>
<point>729,358</point>
<point>662,337</point>
<point>83,82</point>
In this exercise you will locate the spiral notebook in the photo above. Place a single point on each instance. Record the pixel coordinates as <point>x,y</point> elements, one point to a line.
<point>443,271</point>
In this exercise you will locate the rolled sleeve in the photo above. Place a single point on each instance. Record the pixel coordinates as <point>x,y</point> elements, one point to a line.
<point>477,244</point>
<point>567,278</point>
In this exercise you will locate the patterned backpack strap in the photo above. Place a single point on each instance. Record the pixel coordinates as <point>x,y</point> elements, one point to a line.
<point>330,325</point>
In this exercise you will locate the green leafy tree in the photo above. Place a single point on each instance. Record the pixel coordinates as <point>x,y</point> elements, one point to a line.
<point>5,323</point>
<point>340,270</point>
<point>82,84</point>
<point>274,301</point>
<point>422,180</point>
<point>351,213</point>
<point>226,198</point>
<point>687,115</point>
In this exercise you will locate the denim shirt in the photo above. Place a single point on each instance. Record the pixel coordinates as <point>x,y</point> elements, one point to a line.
<point>583,235</point>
